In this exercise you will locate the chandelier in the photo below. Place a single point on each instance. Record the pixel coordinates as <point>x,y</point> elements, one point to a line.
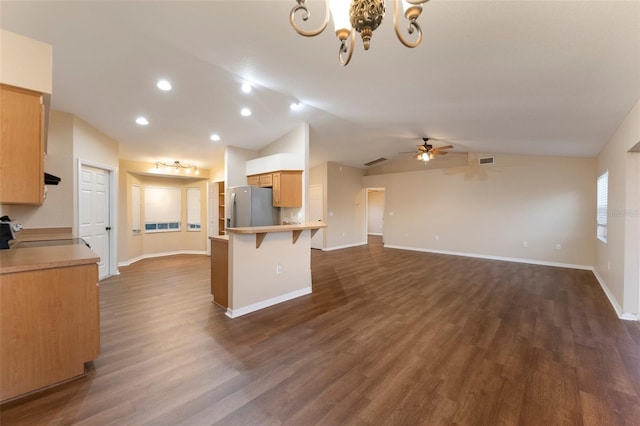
<point>176,167</point>
<point>363,16</point>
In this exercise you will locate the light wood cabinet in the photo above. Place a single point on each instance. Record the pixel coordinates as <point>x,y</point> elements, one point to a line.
<point>264,180</point>
<point>287,189</point>
<point>50,326</point>
<point>21,146</point>
<point>220,271</point>
<point>221,212</point>
<point>286,184</point>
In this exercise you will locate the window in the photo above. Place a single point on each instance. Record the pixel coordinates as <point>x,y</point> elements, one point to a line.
<point>602,206</point>
<point>193,209</point>
<point>135,209</point>
<point>162,207</point>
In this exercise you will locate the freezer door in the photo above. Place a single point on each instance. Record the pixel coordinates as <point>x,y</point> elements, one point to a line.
<point>240,206</point>
<point>263,213</point>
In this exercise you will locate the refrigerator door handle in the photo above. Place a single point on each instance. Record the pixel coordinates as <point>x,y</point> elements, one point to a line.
<point>233,210</point>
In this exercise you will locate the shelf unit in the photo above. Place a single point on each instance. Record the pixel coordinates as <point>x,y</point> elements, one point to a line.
<point>221,213</point>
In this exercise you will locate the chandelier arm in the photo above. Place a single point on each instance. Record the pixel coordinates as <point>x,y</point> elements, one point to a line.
<point>305,16</point>
<point>412,27</point>
<point>345,53</point>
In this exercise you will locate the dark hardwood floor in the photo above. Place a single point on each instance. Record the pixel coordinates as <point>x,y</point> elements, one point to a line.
<point>388,337</point>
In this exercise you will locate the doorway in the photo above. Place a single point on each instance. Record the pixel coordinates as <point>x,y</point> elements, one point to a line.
<point>375,214</point>
<point>94,214</point>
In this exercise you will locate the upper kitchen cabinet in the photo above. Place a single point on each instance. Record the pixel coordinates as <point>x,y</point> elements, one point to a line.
<point>21,146</point>
<point>263,181</point>
<point>287,189</point>
<point>25,85</point>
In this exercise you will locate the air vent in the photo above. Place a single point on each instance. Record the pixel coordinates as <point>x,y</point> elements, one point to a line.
<point>486,160</point>
<point>379,160</point>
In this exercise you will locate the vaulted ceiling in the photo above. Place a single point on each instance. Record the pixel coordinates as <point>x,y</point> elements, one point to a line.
<point>527,77</point>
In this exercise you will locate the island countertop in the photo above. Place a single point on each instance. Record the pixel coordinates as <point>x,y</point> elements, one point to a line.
<point>276,228</point>
<point>36,258</point>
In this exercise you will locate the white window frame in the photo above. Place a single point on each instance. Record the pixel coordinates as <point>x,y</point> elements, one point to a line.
<point>602,206</point>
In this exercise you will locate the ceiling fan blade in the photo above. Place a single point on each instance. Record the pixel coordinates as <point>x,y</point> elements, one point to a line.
<point>445,147</point>
<point>422,148</point>
<point>440,152</point>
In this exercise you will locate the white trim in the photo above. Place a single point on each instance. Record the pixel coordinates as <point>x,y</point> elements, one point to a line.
<point>163,254</point>
<point>375,233</point>
<point>490,257</point>
<point>344,247</point>
<point>235,313</point>
<point>627,316</point>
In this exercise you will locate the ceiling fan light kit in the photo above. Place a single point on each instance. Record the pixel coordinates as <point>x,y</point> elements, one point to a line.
<point>427,152</point>
<point>363,16</point>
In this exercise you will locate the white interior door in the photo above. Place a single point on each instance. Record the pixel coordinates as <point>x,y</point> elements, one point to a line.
<point>316,208</point>
<point>93,218</point>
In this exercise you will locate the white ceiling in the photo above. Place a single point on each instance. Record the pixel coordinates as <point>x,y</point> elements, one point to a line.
<point>528,77</point>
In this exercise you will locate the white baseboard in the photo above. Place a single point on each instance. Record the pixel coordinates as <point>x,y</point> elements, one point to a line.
<point>235,313</point>
<point>152,255</point>
<point>490,257</point>
<point>616,307</point>
<point>375,233</point>
<point>344,247</point>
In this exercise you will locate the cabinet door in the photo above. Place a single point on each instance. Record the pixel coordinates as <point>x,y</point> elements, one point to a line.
<point>287,189</point>
<point>266,180</point>
<point>253,180</point>
<point>21,146</point>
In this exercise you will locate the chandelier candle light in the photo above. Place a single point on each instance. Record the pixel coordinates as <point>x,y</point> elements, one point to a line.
<point>176,167</point>
<point>363,16</point>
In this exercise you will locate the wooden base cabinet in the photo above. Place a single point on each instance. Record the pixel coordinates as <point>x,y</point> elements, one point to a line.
<point>50,326</point>
<point>220,271</point>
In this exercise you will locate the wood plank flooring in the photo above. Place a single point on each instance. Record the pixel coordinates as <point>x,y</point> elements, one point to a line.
<point>388,337</point>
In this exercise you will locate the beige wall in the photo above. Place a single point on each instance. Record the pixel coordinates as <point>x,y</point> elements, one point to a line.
<point>345,207</point>
<point>25,62</point>
<point>491,211</point>
<point>616,260</point>
<point>408,163</point>
<point>57,209</point>
<point>134,247</point>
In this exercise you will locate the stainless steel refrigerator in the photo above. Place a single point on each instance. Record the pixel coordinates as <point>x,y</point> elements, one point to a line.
<point>252,206</point>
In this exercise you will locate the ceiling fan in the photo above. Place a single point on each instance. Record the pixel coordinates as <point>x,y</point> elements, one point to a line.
<point>427,152</point>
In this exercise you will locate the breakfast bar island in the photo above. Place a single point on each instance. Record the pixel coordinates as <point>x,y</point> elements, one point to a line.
<point>262,266</point>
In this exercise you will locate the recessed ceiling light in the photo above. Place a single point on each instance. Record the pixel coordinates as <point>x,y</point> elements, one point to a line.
<point>245,112</point>
<point>164,85</point>
<point>295,105</point>
<point>215,137</point>
<point>246,87</point>
<point>142,121</point>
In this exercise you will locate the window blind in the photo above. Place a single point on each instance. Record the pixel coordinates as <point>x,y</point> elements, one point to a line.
<point>193,209</point>
<point>602,204</point>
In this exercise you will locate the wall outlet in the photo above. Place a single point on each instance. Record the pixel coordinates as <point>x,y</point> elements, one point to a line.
<point>525,244</point>
<point>331,214</point>
<point>608,265</point>
<point>437,237</point>
<point>558,246</point>
<point>390,213</point>
<point>344,235</point>
<point>278,269</point>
